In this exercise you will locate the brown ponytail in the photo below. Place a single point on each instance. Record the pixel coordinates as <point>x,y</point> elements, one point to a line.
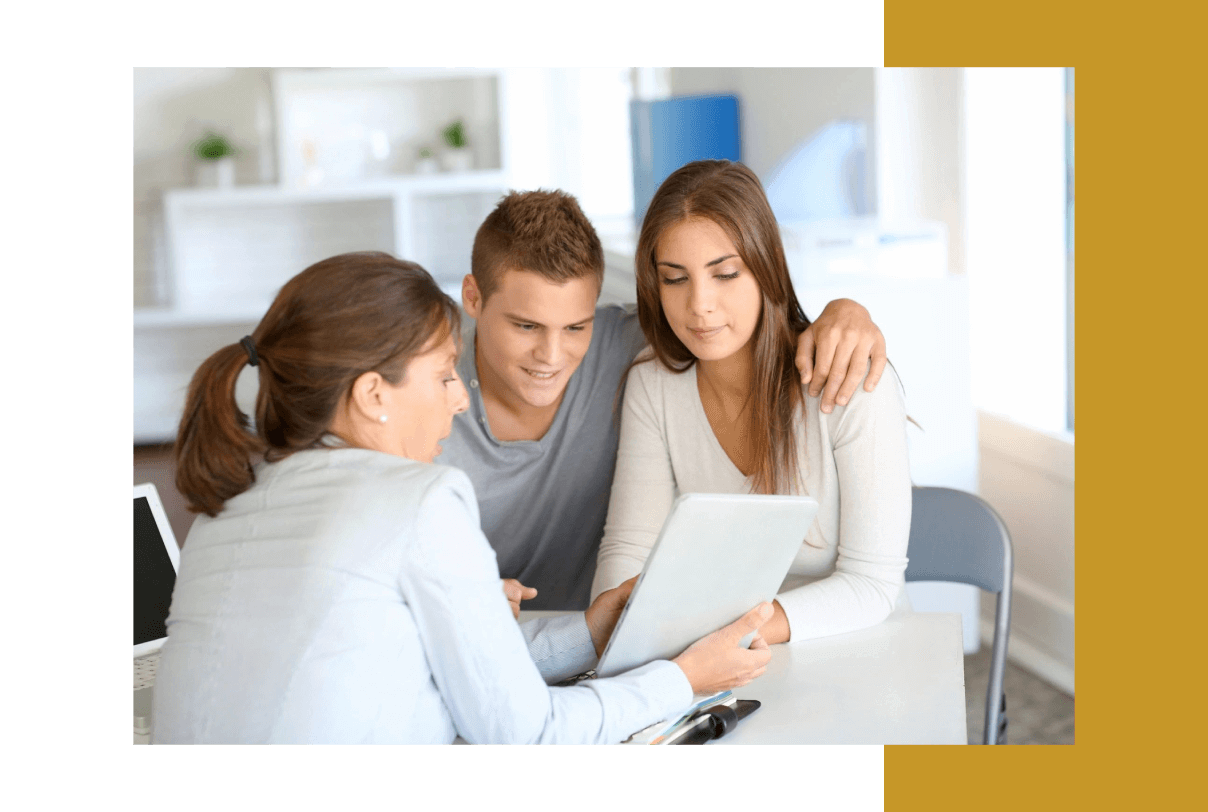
<point>339,318</point>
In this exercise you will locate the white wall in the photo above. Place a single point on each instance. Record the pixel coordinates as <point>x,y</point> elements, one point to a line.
<point>913,117</point>
<point>1015,219</point>
<point>1014,204</point>
<point>1028,477</point>
<point>918,171</point>
<point>779,107</point>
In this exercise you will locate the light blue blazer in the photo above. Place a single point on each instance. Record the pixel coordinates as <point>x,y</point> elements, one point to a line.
<point>349,596</point>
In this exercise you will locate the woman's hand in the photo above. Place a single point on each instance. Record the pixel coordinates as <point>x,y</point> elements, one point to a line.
<point>517,592</point>
<point>835,350</point>
<point>716,663</point>
<point>776,630</point>
<point>604,612</point>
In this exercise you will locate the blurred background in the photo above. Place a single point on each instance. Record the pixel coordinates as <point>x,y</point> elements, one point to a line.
<point>940,198</point>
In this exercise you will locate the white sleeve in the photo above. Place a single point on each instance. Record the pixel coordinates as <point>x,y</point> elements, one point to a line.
<point>870,450</point>
<point>479,659</point>
<point>643,485</point>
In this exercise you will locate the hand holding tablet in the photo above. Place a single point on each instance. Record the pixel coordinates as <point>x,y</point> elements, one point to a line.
<point>717,662</point>
<point>717,556</point>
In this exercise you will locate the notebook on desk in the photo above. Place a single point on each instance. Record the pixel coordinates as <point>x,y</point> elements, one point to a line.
<point>156,559</point>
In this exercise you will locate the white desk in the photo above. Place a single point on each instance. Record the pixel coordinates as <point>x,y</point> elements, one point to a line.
<point>900,682</point>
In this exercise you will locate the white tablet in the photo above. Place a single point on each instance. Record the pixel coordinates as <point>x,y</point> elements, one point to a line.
<point>156,560</point>
<point>716,558</point>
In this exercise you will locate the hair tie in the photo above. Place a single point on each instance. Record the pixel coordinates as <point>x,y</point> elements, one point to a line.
<point>250,346</point>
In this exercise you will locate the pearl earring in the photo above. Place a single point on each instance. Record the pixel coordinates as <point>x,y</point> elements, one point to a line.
<point>382,418</point>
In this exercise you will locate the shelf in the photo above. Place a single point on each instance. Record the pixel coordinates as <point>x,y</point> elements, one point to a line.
<point>227,252</point>
<point>346,122</point>
<point>156,318</point>
<point>376,189</point>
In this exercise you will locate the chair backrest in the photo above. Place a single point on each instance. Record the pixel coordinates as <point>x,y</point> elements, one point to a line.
<point>956,536</point>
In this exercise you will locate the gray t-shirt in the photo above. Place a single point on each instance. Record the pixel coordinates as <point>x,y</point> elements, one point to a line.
<point>543,502</point>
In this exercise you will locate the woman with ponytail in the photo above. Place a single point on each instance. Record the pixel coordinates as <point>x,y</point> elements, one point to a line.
<point>716,406</point>
<point>337,587</point>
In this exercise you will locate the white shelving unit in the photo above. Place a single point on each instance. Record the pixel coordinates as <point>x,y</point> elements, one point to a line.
<point>230,250</point>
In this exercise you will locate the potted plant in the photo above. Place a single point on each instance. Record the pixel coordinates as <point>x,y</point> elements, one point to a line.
<point>426,165</point>
<point>457,156</point>
<point>215,156</point>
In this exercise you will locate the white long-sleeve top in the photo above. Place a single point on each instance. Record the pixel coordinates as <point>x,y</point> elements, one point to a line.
<point>350,596</point>
<point>849,572</point>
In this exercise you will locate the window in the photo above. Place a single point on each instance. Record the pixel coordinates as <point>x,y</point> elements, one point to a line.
<point>1018,216</point>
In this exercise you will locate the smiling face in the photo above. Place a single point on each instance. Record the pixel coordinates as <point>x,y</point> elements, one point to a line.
<point>708,294</point>
<point>419,411</point>
<point>532,334</point>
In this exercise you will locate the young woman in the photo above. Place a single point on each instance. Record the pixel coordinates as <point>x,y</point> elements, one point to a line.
<point>338,588</point>
<point>716,407</point>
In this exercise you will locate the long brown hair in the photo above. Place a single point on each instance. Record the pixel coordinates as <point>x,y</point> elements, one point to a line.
<point>339,318</point>
<point>730,195</point>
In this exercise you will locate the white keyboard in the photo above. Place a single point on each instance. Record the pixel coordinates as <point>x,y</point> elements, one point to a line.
<point>144,670</point>
<point>144,682</point>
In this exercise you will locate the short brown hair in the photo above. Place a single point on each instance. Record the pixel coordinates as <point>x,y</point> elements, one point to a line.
<point>542,232</point>
<point>339,318</point>
<point>730,195</point>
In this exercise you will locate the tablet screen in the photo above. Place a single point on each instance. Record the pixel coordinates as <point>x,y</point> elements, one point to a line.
<point>154,576</point>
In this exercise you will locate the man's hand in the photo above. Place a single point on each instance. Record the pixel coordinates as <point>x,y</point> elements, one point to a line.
<point>604,612</point>
<point>517,592</point>
<point>836,349</point>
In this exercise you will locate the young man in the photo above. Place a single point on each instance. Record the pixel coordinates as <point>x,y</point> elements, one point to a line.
<point>544,366</point>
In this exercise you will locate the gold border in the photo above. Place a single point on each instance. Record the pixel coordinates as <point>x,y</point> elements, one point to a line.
<point>1140,300</point>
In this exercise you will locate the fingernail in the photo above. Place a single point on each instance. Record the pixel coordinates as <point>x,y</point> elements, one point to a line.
<point>765,611</point>
<point>826,409</point>
<point>842,401</point>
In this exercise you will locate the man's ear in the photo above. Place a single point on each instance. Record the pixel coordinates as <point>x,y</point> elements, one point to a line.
<point>471,296</point>
<point>366,399</point>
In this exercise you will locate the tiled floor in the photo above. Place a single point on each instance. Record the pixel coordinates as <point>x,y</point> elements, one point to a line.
<point>1037,713</point>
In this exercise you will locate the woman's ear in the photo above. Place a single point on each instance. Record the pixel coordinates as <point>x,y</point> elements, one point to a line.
<point>471,296</point>
<point>367,398</point>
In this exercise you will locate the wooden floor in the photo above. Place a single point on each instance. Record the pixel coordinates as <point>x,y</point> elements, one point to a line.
<point>1037,713</point>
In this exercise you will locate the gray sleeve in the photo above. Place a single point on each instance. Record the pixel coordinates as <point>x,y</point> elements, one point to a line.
<point>561,647</point>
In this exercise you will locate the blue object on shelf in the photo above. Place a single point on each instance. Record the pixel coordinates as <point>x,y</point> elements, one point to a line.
<point>823,177</point>
<point>669,133</point>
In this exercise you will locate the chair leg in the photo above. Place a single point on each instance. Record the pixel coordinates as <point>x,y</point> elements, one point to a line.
<point>1002,722</point>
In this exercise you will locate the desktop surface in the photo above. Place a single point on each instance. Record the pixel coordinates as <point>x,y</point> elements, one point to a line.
<point>899,682</point>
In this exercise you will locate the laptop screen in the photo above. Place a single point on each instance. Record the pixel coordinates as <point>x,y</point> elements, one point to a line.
<point>154,576</point>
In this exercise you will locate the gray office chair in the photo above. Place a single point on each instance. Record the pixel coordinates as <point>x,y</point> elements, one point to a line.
<point>956,536</point>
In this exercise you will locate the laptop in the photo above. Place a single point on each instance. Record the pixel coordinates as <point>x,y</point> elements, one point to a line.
<point>156,559</point>
<point>716,558</point>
